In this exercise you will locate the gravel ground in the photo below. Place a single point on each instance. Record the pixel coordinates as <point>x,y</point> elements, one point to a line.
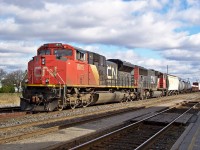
<point>73,113</point>
<point>81,111</point>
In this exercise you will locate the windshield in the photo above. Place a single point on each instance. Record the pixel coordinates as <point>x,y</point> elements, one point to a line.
<point>62,52</point>
<point>44,52</point>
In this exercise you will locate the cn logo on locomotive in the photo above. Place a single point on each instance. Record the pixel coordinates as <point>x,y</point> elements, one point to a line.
<point>111,72</point>
<point>41,72</point>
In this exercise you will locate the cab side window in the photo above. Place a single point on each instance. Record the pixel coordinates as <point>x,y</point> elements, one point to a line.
<point>44,52</point>
<point>80,55</point>
<point>62,52</point>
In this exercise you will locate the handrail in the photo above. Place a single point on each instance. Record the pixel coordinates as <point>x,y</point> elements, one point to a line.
<point>57,74</point>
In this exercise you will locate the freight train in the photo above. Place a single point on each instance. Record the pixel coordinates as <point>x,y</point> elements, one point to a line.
<point>61,76</point>
<point>196,87</point>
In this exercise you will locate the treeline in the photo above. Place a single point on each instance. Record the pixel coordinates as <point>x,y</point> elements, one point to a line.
<point>11,82</point>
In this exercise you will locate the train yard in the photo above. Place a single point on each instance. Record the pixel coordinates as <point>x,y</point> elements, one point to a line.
<point>70,128</point>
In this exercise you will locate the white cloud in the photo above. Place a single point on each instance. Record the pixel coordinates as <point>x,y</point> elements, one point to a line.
<point>8,25</point>
<point>150,24</point>
<point>132,24</point>
<point>182,69</point>
<point>18,47</point>
<point>191,42</point>
<point>181,55</point>
<point>10,63</point>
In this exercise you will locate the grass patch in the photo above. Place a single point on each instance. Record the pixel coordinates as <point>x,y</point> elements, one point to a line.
<point>10,98</point>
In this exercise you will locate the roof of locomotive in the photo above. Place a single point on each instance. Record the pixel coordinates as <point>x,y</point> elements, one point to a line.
<point>124,63</point>
<point>62,45</point>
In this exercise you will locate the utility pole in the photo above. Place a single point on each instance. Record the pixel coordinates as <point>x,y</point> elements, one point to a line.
<point>167,69</point>
<point>167,92</point>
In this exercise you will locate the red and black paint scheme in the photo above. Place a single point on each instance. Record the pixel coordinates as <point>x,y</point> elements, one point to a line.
<point>62,76</point>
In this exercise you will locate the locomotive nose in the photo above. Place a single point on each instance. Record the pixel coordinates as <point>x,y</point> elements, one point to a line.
<point>36,69</point>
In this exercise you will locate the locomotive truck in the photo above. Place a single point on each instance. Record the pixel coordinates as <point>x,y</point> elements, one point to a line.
<point>61,76</point>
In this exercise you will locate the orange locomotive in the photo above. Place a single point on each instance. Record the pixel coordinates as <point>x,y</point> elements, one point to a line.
<point>65,76</point>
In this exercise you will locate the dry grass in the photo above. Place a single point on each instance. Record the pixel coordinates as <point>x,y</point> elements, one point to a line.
<point>10,98</point>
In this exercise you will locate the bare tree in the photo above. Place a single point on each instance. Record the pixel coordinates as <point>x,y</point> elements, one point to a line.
<point>14,78</point>
<point>2,74</point>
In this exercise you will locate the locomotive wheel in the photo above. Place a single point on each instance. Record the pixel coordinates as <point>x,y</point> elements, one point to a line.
<point>126,99</point>
<point>85,103</point>
<point>142,97</point>
<point>73,104</point>
<point>60,107</point>
<point>123,100</point>
<point>148,95</point>
<point>129,99</point>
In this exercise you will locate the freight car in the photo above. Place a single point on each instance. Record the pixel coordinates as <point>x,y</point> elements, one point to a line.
<point>195,87</point>
<point>61,75</point>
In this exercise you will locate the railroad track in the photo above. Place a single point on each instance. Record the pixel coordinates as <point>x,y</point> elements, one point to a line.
<point>9,109</point>
<point>7,112</point>
<point>56,123</point>
<point>51,125</point>
<point>137,135</point>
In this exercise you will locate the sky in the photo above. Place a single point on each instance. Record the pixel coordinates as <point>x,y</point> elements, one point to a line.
<point>149,33</point>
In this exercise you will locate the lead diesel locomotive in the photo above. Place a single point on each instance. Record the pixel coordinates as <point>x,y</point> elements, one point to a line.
<point>62,76</point>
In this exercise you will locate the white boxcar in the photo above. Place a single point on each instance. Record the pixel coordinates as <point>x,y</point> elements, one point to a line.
<point>196,85</point>
<point>173,83</point>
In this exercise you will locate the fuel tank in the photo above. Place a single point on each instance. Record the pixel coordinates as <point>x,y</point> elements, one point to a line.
<point>107,97</point>
<point>157,93</point>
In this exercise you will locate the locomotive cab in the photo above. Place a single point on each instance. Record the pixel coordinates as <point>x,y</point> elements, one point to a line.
<point>51,59</point>
<point>57,50</point>
<point>55,67</point>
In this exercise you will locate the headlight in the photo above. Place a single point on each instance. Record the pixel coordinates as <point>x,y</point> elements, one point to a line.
<point>47,81</point>
<point>43,61</point>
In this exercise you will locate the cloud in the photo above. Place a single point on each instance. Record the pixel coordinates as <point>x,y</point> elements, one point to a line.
<point>160,25</point>
<point>13,62</point>
<point>132,24</point>
<point>181,55</point>
<point>187,11</point>
<point>15,55</point>
<point>18,47</point>
<point>184,68</point>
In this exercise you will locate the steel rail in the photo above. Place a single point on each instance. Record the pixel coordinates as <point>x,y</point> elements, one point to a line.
<point>145,144</point>
<point>86,144</point>
<point>31,134</point>
<point>39,122</point>
<point>3,109</point>
<point>89,117</point>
